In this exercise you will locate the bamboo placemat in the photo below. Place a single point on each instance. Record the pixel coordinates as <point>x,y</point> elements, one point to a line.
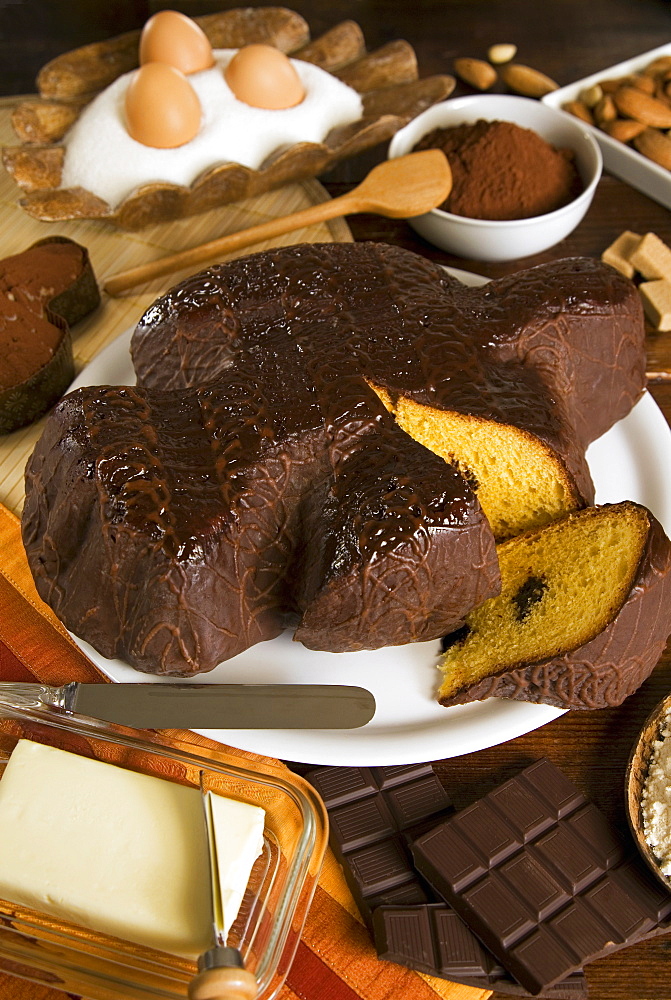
<point>114,250</point>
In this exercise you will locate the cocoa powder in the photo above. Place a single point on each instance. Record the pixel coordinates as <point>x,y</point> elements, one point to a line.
<point>503,171</point>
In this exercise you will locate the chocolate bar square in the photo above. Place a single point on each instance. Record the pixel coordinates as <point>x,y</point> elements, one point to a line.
<point>540,876</point>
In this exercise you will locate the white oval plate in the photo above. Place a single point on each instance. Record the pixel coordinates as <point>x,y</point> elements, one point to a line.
<point>631,462</point>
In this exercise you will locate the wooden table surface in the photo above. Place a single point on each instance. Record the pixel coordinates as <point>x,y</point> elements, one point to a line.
<point>566,39</point>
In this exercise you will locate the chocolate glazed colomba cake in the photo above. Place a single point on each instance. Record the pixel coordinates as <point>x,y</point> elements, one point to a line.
<point>256,479</point>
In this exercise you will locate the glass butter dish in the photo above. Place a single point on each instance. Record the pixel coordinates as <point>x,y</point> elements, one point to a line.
<point>66,956</point>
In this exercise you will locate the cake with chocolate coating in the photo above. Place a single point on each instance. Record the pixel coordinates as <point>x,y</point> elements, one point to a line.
<point>256,479</point>
<point>43,291</point>
<point>510,382</point>
<point>582,618</point>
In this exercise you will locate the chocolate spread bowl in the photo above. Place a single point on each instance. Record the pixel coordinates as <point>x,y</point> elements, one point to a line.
<point>637,772</point>
<point>495,240</point>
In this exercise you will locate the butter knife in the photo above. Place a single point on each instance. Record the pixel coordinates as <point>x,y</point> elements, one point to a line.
<point>221,972</point>
<point>203,706</point>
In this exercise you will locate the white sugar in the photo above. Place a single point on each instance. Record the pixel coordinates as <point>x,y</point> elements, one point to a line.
<point>102,158</point>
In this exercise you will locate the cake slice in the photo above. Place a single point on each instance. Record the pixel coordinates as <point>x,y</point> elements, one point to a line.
<point>581,620</point>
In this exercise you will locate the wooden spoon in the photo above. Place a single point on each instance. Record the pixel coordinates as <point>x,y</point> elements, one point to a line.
<point>637,771</point>
<point>398,189</point>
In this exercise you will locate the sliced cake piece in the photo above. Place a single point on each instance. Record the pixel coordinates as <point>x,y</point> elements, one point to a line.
<point>582,618</point>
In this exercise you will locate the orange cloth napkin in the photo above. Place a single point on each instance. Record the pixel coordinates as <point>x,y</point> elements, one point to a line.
<point>335,959</point>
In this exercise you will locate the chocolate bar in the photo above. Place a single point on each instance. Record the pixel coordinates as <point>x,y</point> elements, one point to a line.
<point>542,878</point>
<point>374,815</point>
<point>434,939</point>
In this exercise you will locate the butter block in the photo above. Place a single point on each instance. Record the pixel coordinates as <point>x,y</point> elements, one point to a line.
<point>238,836</point>
<point>618,254</point>
<point>656,296</point>
<point>117,851</point>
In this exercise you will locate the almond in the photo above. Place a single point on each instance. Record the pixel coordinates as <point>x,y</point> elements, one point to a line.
<point>476,72</point>
<point>642,107</point>
<point>591,95</point>
<point>624,129</point>
<point>580,110</point>
<point>659,65</point>
<point>605,111</point>
<point>503,52</point>
<point>527,81</point>
<point>661,86</point>
<point>656,146</point>
<point>609,86</point>
<point>642,81</point>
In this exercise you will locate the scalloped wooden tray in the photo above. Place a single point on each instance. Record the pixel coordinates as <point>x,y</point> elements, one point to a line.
<point>112,250</point>
<point>387,80</point>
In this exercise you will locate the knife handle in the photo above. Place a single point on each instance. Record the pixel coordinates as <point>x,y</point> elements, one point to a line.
<point>224,983</point>
<point>32,695</point>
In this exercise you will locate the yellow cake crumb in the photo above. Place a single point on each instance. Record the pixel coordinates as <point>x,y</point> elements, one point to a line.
<point>520,482</point>
<point>561,586</point>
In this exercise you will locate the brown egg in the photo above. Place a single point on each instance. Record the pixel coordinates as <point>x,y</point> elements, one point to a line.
<point>162,108</point>
<point>174,38</point>
<point>264,77</point>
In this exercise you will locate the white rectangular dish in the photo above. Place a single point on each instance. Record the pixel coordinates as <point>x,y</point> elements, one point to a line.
<point>619,159</point>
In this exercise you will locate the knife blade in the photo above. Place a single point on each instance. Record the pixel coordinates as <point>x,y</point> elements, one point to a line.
<point>205,706</point>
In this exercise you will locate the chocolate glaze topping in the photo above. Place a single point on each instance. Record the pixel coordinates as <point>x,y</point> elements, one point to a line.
<point>557,349</point>
<point>253,481</point>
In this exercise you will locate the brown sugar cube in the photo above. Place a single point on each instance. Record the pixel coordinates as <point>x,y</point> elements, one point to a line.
<point>656,297</point>
<point>619,252</point>
<point>652,258</point>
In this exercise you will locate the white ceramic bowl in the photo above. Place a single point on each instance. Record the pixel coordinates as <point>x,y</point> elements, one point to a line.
<point>493,240</point>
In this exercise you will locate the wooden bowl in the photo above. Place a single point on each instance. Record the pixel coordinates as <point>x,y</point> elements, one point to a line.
<point>637,771</point>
